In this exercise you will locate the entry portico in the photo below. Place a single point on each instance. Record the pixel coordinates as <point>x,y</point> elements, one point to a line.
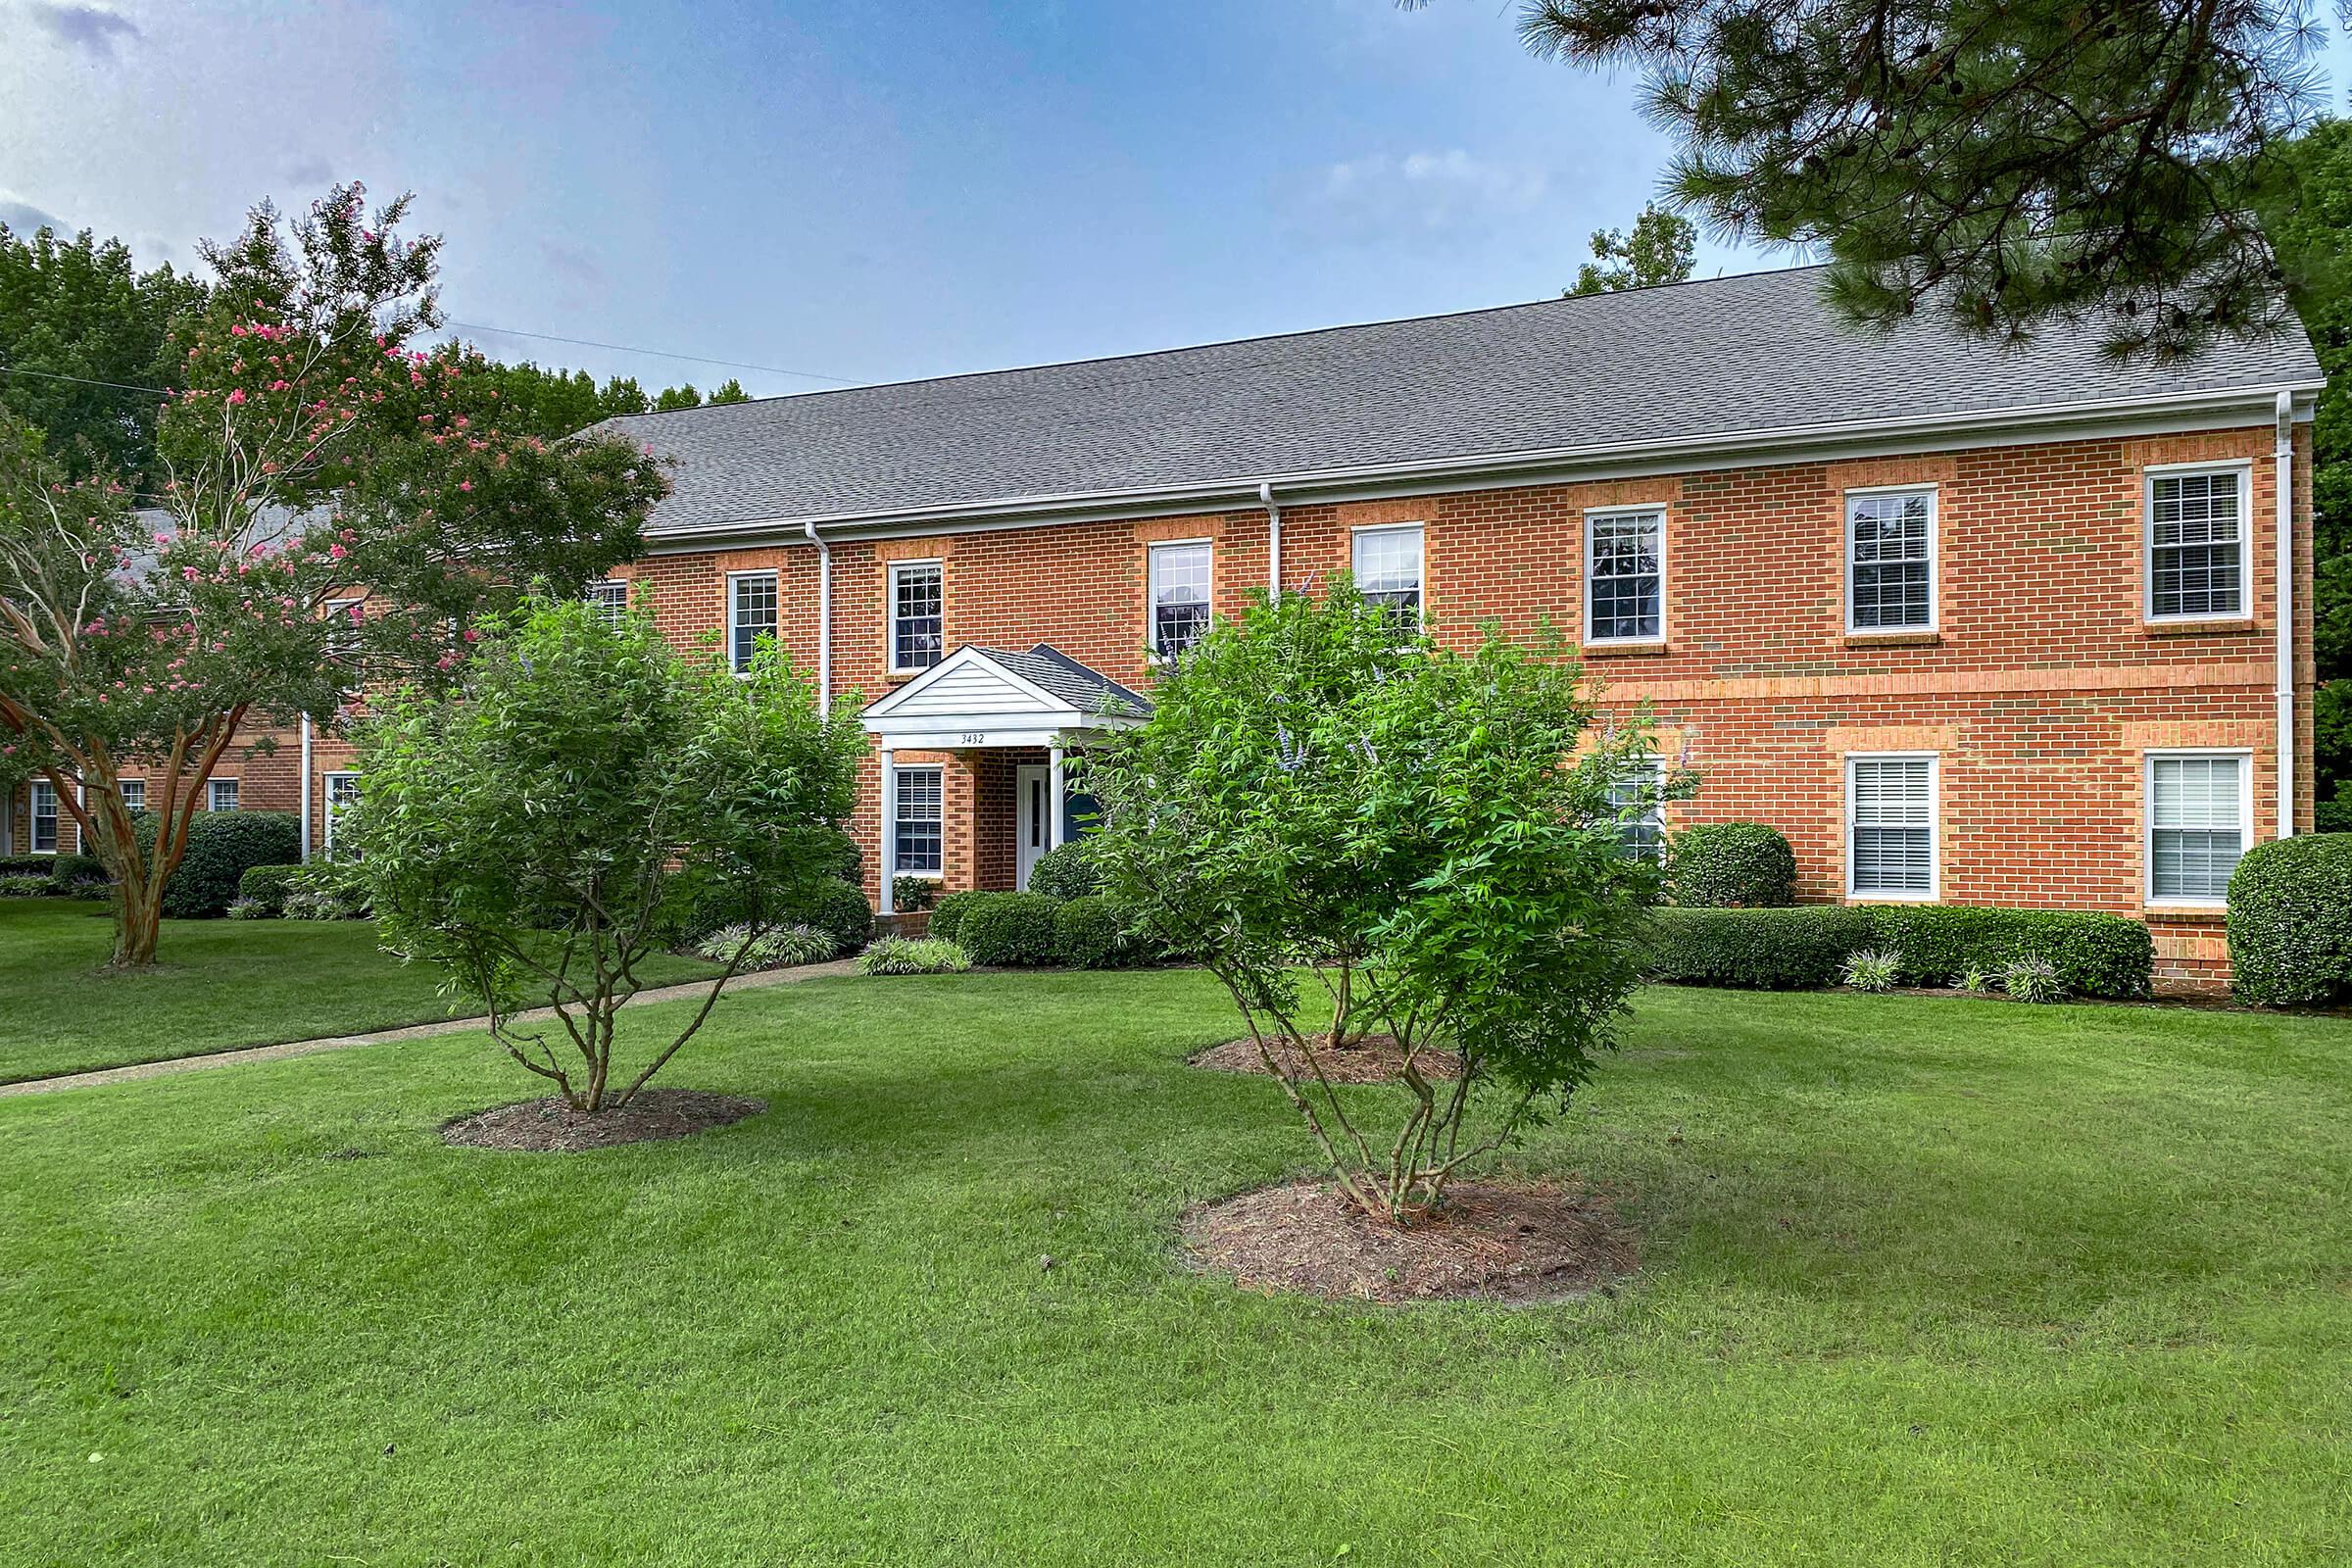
<point>1008,720</point>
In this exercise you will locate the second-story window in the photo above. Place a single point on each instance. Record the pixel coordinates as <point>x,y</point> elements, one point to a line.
<point>1625,576</point>
<point>1179,597</point>
<point>609,596</point>
<point>1388,570</point>
<point>752,597</point>
<point>2196,544</point>
<point>1891,561</point>
<point>918,598</point>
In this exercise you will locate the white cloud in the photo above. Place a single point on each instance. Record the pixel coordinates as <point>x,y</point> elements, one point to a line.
<point>1438,194</point>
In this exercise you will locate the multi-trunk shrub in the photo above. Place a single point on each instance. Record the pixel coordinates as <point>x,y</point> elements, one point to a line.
<point>1807,946</point>
<point>2291,922</point>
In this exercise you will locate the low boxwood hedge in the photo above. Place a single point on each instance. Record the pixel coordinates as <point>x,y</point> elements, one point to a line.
<point>2109,956</point>
<point>947,915</point>
<point>1090,933</point>
<point>1065,872</point>
<point>1731,865</point>
<point>2291,922</point>
<point>1799,948</point>
<point>1011,928</point>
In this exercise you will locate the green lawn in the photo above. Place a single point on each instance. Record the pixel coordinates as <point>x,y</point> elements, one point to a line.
<point>219,985</point>
<point>1924,1282</point>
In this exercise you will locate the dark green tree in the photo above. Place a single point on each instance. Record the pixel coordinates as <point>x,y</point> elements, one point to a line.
<point>678,396</point>
<point>1659,250</point>
<point>729,391</point>
<point>2009,165</point>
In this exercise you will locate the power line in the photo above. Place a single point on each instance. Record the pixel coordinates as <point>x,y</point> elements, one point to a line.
<point>81,380</point>
<point>659,354</point>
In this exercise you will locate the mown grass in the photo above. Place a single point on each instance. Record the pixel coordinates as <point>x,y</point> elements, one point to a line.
<point>1924,1282</point>
<point>219,985</point>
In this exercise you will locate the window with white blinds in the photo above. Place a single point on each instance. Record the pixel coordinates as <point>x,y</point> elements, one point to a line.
<point>917,831</point>
<point>1891,561</point>
<point>2198,827</point>
<point>2197,544</point>
<point>1890,826</point>
<point>1625,576</point>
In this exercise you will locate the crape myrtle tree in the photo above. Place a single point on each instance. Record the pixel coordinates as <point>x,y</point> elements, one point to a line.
<point>1357,829</point>
<point>2006,163</point>
<point>563,813</point>
<point>312,457</point>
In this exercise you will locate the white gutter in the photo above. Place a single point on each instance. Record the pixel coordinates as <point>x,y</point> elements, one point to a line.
<point>824,623</point>
<point>2285,488</point>
<point>1265,498</point>
<point>306,789</point>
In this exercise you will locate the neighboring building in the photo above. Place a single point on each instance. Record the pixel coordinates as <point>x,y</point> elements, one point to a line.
<point>1968,625</point>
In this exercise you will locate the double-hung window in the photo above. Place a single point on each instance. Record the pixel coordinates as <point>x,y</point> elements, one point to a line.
<point>342,793</point>
<point>1890,826</point>
<point>609,598</point>
<point>2197,558</point>
<point>1388,572</point>
<point>134,793</point>
<point>223,795</point>
<point>1179,582</point>
<point>751,614</point>
<point>915,835</point>
<point>919,597</point>
<point>1625,576</point>
<point>43,806</point>
<point>1891,561</point>
<point>2199,823</point>
<point>1640,808</point>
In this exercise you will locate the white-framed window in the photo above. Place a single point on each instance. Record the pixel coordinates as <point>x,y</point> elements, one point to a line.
<point>1625,576</point>
<point>1179,575</point>
<point>2198,562</point>
<point>1641,806</point>
<point>751,615</point>
<point>1890,825</point>
<point>134,793</point>
<point>917,834</point>
<point>41,801</point>
<point>1387,569</point>
<point>344,620</point>
<point>1890,559</point>
<point>2200,812</point>
<point>342,791</point>
<point>918,613</point>
<point>609,596</point>
<point>222,794</point>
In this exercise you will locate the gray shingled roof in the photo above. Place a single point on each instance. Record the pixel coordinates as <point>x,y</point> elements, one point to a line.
<point>1757,351</point>
<point>1083,687</point>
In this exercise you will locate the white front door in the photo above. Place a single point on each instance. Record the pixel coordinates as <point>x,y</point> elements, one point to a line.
<point>1033,820</point>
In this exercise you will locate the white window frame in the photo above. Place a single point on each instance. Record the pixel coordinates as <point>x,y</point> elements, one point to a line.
<point>890,613</point>
<point>1845,551</point>
<point>124,786</point>
<point>776,628</point>
<point>328,809</point>
<point>1151,559</point>
<point>1597,514</point>
<point>2244,758</point>
<point>1935,888</point>
<point>212,794</point>
<point>1356,570</point>
<point>35,789</point>
<point>599,595</point>
<point>897,814</point>
<point>2243,469</point>
<point>1648,773</point>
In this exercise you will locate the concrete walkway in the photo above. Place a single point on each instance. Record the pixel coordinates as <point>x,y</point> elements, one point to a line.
<point>757,981</point>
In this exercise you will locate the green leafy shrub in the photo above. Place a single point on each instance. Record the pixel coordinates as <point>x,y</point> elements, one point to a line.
<point>2033,979</point>
<point>1011,928</point>
<point>74,873</point>
<point>1973,978</point>
<point>17,885</point>
<point>842,909</point>
<point>785,946</point>
<point>1798,949</point>
<point>222,846</point>
<point>325,890</point>
<point>25,865</point>
<point>1065,872</point>
<point>2291,922</point>
<point>268,886</point>
<point>947,919</point>
<point>1731,865</point>
<point>2096,955</point>
<point>914,955</point>
<point>911,893</point>
<point>1873,971</point>
<point>1090,933</point>
<point>244,908</point>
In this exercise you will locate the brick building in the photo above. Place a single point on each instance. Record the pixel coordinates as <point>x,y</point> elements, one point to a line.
<point>1975,625</point>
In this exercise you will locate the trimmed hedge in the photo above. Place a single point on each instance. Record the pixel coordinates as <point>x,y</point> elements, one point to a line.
<point>842,909</point>
<point>2096,955</point>
<point>65,872</point>
<point>268,886</point>
<point>1799,948</point>
<point>947,917</point>
<point>1018,929</point>
<point>222,846</point>
<point>1731,865</point>
<point>1090,933</point>
<point>1066,872</point>
<point>2291,922</point>
<point>1806,947</point>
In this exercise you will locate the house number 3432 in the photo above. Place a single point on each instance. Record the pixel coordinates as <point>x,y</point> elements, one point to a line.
<point>975,737</point>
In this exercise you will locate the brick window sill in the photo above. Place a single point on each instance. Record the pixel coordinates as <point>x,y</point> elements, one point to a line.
<point>2197,628</point>
<point>2204,914</point>
<point>1893,639</point>
<point>1651,650</point>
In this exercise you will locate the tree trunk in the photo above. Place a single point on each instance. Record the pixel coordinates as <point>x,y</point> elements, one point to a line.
<point>138,920</point>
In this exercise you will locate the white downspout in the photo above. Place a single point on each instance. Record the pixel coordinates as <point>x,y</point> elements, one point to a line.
<point>1265,498</point>
<point>824,622</point>
<point>2285,488</point>
<point>306,789</point>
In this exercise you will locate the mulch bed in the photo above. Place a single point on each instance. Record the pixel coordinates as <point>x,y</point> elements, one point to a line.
<point>551,1126</point>
<point>1488,1241</point>
<point>1373,1059</point>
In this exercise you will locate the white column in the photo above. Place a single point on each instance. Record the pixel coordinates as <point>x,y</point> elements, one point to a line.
<point>890,827</point>
<point>1055,786</point>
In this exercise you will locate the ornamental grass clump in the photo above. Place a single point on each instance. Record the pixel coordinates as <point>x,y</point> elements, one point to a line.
<point>1359,830</point>
<point>2033,979</point>
<point>1873,971</point>
<point>913,955</point>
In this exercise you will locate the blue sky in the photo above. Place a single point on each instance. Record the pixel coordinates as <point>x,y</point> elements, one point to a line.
<point>868,190</point>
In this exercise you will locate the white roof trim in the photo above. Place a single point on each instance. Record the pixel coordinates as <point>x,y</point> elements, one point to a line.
<point>1032,716</point>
